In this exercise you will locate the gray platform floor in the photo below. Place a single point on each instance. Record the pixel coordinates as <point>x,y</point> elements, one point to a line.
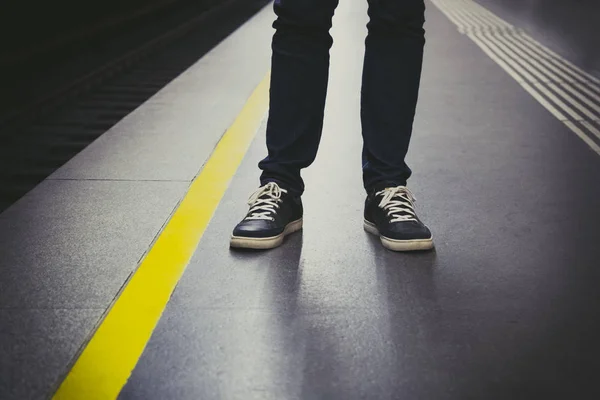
<point>505,307</point>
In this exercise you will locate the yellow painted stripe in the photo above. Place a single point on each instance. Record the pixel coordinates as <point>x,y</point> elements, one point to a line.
<point>107,361</point>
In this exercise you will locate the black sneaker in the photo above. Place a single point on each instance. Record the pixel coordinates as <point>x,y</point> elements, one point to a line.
<point>273,215</point>
<point>390,214</point>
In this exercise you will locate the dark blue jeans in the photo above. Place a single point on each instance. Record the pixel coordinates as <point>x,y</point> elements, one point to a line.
<point>299,77</point>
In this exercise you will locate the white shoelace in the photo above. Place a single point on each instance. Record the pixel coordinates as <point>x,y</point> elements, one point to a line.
<point>398,200</point>
<point>263,208</point>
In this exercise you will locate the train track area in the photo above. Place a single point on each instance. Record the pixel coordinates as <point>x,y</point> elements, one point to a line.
<point>41,135</point>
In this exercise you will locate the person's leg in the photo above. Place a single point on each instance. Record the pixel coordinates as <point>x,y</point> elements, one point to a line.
<point>391,77</point>
<point>299,76</point>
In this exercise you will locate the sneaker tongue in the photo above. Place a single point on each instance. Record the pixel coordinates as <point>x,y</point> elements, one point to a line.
<point>267,196</point>
<point>403,214</point>
<point>399,209</point>
<point>267,199</point>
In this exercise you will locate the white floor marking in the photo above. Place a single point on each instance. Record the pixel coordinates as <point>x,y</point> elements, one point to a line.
<point>568,92</point>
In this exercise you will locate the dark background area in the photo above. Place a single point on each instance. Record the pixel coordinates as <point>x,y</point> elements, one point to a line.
<point>46,45</point>
<point>37,24</point>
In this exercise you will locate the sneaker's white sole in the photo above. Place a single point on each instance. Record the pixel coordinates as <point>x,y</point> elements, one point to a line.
<point>268,242</point>
<point>399,245</point>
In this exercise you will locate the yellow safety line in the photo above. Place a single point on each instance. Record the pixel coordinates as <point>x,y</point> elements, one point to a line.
<point>107,361</point>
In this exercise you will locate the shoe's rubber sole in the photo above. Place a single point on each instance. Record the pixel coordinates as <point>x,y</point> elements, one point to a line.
<point>267,242</point>
<point>399,245</point>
